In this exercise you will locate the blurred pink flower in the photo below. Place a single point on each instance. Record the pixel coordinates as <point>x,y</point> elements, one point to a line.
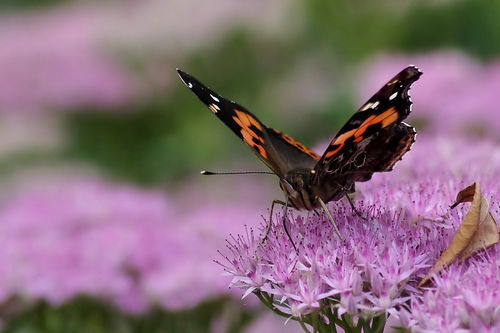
<point>92,237</point>
<point>63,235</point>
<point>58,58</point>
<point>55,60</point>
<point>83,236</point>
<point>455,94</point>
<point>157,27</point>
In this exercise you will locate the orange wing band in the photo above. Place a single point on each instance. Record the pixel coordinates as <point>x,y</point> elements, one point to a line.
<point>244,120</point>
<point>386,118</point>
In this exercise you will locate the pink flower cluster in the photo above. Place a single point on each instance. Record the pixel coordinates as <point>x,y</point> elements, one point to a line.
<point>374,272</point>
<point>456,93</point>
<point>327,269</point>
<point>464,298</point>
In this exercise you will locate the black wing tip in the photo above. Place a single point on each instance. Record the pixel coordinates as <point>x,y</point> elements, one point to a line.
<point>411,73</point>
<point>187,79</point>
<point>180,72</point>
<point>414,68</point>
<point>204,93</point>
<point>406,77</point>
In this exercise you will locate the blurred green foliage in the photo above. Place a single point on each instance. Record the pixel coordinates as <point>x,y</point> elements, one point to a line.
<point>173,136</point>
<point>350,30</point>
<point>471,25</point>
<point>355,30</point>
<point>21,4</point>
<point>84,315</point>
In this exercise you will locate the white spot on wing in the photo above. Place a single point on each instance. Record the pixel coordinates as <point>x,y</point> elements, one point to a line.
<point>190,85</point>
<point>374,105</point>
<point>393,96</point>
<point>366,107</point>
<point>214,98</point>
<point>214,108</point>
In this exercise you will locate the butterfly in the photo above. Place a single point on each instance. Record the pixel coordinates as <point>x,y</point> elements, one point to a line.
<point>372,140</point>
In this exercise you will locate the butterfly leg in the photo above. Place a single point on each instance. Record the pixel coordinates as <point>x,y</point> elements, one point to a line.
<point>330,217</point>
<point>354,208</point>
<point>271,217</point>
<point>285,212</point>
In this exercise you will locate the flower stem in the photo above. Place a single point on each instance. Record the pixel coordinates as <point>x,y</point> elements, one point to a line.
<point>366,326</point>
<point>268,302</point>
<point>324,327</point>
<point>315,321</point>
<point>336,321</point>
<point>349,325</point>
<point>304,327</point>
<point>360,325</point>
<point>379,323</point>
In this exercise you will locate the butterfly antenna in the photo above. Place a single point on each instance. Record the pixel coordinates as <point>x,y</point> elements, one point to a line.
<point>210,173</point>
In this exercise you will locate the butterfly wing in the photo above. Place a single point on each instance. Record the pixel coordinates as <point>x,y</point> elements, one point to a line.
<point>278,151</point>
<point>372,140</point>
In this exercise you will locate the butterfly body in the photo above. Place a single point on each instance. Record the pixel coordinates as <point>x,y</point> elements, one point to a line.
<point>372,140</point>
<point>297,185</point>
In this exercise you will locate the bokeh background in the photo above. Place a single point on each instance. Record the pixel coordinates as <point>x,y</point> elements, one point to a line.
<point>106,224</point>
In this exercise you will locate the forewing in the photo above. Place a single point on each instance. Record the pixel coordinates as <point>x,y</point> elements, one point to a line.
<point>374,133</point>
<point>278,151</point>
<point>293,153</point>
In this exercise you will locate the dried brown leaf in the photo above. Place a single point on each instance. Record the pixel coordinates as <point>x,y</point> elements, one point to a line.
<point>465,195</point>
<point>477,231</point>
